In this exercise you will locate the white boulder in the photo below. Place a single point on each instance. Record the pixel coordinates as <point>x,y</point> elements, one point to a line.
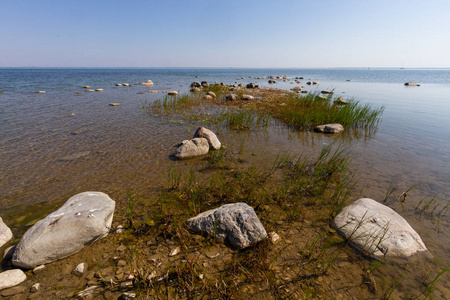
<point>377,230</point>
<point>83,219</point>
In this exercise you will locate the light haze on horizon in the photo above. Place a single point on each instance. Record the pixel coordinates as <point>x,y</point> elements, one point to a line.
<point>248,34</point>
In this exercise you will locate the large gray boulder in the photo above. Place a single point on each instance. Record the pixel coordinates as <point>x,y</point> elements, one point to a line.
<point>11,278</point>
<point>213,141</point>
<point>191,148</point>
<point>329,128</point>
<point>82,220</point>
<point>377,230</point>
<point>236,224</point>
<point>5,233</point>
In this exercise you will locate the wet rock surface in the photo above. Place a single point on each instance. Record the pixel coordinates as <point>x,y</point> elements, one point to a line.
<point>5,233</point>
<point>213,141</point>
<point>329,128</point>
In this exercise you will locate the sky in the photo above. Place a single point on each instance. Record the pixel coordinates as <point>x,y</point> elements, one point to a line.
<point>211,33</point>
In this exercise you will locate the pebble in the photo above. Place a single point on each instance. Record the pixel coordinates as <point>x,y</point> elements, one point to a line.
<point>41,92</point>
<point>99,90</point>
<point>128,296</point>
<point>86,87</point>
<point>34,288</point>
<point>274,237</point>
<point>121,248</point>
<point>38,268</point>
<point>174,251</point>
<point>89,90</point>
<point>120,229</point>
<point>114,104</point>
<point>87,292</point>
<point>121,263</point>
<point>79,270</point>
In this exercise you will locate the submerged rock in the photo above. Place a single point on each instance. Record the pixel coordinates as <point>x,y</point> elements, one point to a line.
<point>5,233</point>
<point>329,128</point>
<point>213,141</point>
<point>82,220</point>
<point>196,84</point>
<point>172,93</point>
<point>191,148</point>
<point>327,92</point>
<point>340,100</point>
<point>236,224</point>
<point>11,278</point>
<point>377,230</point>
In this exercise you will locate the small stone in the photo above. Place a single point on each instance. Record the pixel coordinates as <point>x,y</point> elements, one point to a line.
<point>86,87</point>
<point>41,92</point>
<point>128,296</point>
<point>329,128</point>
<point>121,248</point>
<point>126,84</point>
<point>201,276</point>
<point>87,292</point>
<point>90,90</point>
<point>231,97</point>
<point>121,263</point>
<point>274,237</point>
<point>114,104</point>
<point>172,93</point>
<point>212,94</point>
<point>208,97</point>
<point>174,251</point>
<point>99,90</point>
<point>34,288</point>
<point>248,97</point>
<point>79,270</point>
<point>118,84</point>
<point>11,278</point>
<point>120,229</point>
<point>38,268</point>
<point>152,275</point>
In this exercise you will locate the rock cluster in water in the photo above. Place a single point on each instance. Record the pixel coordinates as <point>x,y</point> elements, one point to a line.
<point>203,140</point>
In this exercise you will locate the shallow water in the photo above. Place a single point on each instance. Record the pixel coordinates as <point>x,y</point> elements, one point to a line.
<point>48,154</point>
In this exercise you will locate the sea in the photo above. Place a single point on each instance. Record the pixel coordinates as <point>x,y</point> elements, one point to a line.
<point>67,140</point>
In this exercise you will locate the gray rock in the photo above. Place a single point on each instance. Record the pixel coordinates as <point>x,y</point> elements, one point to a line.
<point>11,278</point>
<point>172,93</point>
<point>192,148</point>
<point>5,233</point>
<point>247,97</point>
<point>212,94</point>
<point>327,92</point>
<point>377,230</point>
<point>251,86</point>
<point>208,97</point>
<point>296,89</point>
<point>204,84</point>
<point>231,97</point>
<point>213,141</point>
<point>79,270</point>
<point>83,219</point>
<point>147,83</point>
<point>329,128</point>
<point>236,224</point>
<point>196,84</point>
<point>195,89</point>
<point>87,292</point>
<point>412,84</point>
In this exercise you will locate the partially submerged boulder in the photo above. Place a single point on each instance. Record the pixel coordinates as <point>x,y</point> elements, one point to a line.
<point>191,148</point>
<point>196,84</point>
<point>236,224</point>
<point>377,230</point>
<point>147,83</point>
<point>5,233</point>
<point>83,219</point>
<point>412,84</point>
<point>213,141</point>
<point>329,128</point>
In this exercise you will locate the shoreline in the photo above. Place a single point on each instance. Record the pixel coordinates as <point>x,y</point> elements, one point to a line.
<point>108,247</point>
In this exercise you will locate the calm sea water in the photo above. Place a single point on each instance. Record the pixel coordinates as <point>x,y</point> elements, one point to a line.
<point>67,140</point>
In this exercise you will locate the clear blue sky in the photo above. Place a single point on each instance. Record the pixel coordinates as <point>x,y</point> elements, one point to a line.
<point>211,33</point>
